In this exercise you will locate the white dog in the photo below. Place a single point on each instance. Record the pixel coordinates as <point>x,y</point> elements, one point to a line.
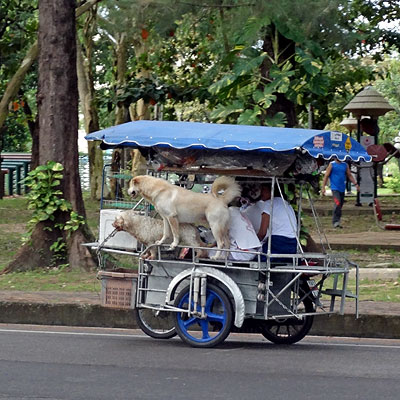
<point>148,230</point>
<point>177,205</point>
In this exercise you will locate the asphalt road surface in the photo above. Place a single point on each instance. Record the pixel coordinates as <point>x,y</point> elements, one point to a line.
<point>39,362</point>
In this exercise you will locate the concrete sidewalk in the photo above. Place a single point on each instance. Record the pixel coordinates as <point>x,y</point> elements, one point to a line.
<point>364,240</point>
<point>377,319</point>
<point>387,240</point>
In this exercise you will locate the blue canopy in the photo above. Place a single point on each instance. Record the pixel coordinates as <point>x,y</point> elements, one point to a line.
<point>244,138</point>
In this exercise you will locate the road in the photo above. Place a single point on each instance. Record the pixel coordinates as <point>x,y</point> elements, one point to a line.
<point>39,362</point>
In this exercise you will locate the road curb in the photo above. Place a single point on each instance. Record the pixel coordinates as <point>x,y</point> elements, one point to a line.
<point>362,246</point>
<point>368,325</point>
<point>65,314</point>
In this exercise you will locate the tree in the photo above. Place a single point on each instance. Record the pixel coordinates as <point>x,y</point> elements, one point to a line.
<point>293,44</point>
<point>20,13</point>
<point>58,132</point>
<point>88,101</point>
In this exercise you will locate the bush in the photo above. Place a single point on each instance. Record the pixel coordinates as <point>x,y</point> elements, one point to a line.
<point>393,183</point>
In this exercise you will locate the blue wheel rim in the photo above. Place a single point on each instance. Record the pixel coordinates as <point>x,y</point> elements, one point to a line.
<point>220,318</point>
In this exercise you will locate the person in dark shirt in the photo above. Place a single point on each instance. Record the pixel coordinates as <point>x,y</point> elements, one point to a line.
<point>337,172</point>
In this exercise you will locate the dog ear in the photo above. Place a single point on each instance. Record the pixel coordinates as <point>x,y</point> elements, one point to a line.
<point>118,223</point>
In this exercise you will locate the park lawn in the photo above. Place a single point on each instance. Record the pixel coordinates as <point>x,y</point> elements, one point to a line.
<point>14,216</point>
<point>380,290</point>
<point>51,279</point>
<point>371,290</point>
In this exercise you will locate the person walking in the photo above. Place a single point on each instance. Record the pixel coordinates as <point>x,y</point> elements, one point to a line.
<point>337,172</point>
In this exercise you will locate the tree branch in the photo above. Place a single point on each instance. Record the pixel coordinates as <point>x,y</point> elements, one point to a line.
<point>15,82</point>
<point>217,5</point>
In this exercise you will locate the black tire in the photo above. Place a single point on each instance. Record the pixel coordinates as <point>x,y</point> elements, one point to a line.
<point>207,332</point>
<point>288,330</point>
<point>158,325</point>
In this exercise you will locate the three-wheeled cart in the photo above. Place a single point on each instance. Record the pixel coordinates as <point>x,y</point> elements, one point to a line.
<point>203,300</point>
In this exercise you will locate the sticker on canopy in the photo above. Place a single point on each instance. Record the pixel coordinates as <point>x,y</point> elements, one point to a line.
<point>367,141</point>
<point>336,136</point>
<point>347,144</point>
<point>318,142</point>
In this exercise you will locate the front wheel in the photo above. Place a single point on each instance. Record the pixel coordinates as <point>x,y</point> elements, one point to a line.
<point>156,324</point>
<point>208,331</point>
<point>289,330</point>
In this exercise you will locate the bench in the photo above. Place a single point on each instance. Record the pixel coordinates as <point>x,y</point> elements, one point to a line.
<point>3,172</point>
<point>16,165</point>
<point>10,172</point>
<point>379,218</point>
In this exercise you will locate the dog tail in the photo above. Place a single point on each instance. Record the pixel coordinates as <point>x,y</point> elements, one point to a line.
<point>226,189</point>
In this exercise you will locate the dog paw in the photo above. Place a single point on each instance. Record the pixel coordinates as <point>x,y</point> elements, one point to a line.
<point>171,248</point>
<point>159,242</point>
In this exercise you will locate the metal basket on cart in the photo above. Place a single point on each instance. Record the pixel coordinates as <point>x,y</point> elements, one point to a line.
<point>118,289</point>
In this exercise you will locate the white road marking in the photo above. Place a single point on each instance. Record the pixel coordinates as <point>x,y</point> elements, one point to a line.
<point>141,336</point>
<point>74,333</point>
<point>378,346</point>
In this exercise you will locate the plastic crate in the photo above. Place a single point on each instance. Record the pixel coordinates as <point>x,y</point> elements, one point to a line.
<point>118,289</point>
<point>121,240</point>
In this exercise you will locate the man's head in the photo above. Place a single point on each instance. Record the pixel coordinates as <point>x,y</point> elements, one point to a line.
<point>265,191</point>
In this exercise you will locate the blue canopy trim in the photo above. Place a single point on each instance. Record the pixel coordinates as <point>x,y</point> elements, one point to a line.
<point>196,135</point>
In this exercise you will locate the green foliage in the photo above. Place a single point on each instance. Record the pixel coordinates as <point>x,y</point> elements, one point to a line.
<point>45,199</point>
<point>392,182</point>
<point>18,30</point>
<point>234,50</point>
<point>16,136</point>
<point>151,91</point>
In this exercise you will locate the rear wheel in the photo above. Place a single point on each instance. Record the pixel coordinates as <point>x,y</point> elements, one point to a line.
<point>208,331</point>
<point>289,330</point>
<point>157,324</point>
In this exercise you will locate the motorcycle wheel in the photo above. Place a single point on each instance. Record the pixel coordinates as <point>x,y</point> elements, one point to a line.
<point>156,324</point>
<point>210,331</point>
<point>288,330</point>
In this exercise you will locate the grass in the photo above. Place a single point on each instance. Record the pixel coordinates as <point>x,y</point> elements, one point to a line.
<point>14,216</point>
<point>371,290</point>
<point>380,290</point>
<point>51,279</point>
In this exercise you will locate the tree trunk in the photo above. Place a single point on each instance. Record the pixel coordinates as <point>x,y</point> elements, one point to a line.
<point>33,124</point>
<point>280,49</point>
<point>139,111</point>
<point>58,134</point>
<point>121,111</point>
<point>89,109</point>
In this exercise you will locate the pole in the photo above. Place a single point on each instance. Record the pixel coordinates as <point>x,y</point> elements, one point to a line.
<point>375,165</point>
<point>358,202</point>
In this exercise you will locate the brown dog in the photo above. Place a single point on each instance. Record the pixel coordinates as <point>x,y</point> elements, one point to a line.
<point>177,205</point>
<point>148,230</point>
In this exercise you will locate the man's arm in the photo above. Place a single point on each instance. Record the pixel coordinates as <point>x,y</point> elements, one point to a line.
<point>325,180</point>
<point>351,178</point>
<point>263,226</point>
